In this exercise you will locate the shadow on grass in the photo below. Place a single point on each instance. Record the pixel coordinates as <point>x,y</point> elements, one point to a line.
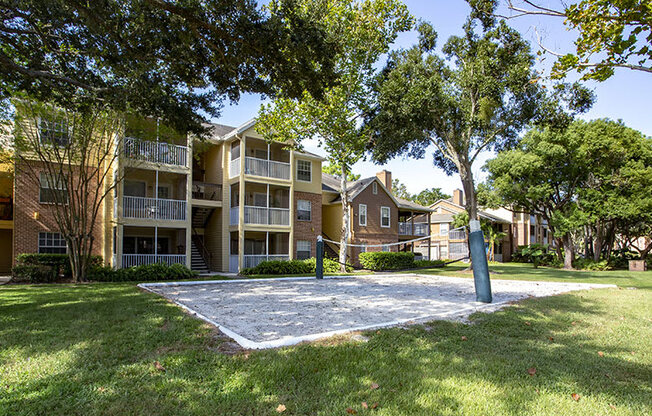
<point>91,350</point>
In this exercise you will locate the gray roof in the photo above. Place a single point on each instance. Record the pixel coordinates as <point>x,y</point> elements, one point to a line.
<point>407,204</point>
<point>219,130</point>
<point>437,218</point>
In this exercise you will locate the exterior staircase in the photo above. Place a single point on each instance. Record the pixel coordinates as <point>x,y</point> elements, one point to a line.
<point>197,262</point>
<point>200,216</point>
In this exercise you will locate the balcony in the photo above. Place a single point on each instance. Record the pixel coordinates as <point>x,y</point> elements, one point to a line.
<point>261,167</point>
<point>206,191</point>
<point>408,228</point>
<point>131,260</point>
<point>156,152</point>
<point>153,208</point>
<point>261,215</point>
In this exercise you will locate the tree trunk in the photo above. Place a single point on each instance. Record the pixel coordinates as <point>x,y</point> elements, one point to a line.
<point>470,202</point>
<point>597,242</point>
<point>345,219</point>
<point>569,254</point>
<point>559,245</point>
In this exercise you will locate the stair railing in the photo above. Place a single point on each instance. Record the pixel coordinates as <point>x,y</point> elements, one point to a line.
<point>203,251</point>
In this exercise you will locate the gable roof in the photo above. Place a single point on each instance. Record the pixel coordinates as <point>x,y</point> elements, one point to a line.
<point>331,183</point>
<point>460,208</point>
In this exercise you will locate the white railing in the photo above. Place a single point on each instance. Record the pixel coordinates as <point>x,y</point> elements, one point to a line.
<point>234,214</point>
<point>457,235</point>
<point>407,228</point>
<point>234,168</point>
<point>253,260</point>
<point>156,152</point>
<point>153,208</point>
<point>267,168</point>
<point>266,216</point>
<point>131,260</point>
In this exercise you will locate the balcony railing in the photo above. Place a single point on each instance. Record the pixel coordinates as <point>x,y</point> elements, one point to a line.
<point>156,152</point>
<point>253,260</point>
<point>261,215</point>
<point>131,260</point>
<point>153,208</point>
<point>207,191</point>
<point>457,235</point>
<point>261,167</point>
<point>407,228</point>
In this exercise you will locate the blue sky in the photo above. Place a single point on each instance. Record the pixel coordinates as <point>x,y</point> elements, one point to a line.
<point>624,96</point>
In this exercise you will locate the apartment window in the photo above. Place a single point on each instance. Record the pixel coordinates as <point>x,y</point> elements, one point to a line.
<point>163,192</point>
<point>363,249</point>
<point>53,189</point>
<point>384,217</point>
<point>304,170</point>
<point>303,250</point>
<point>374,188</point>
<point>51,243</point>
<point>362,215</point>
<point>443,229</point>
<point>54,132</point>
<point>304,210</point>
<point>443,252</point>
<point>386,247</point>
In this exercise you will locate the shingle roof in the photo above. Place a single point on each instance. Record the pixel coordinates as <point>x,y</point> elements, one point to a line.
<point>405,203</point>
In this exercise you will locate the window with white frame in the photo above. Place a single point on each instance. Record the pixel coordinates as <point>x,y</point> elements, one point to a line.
<point>53,189</point>
<point>304,210</point>
<point>444,228</point>
<point>51,243</point>
<point>362,215</point>
<point>303,250</point>
<point>385,221</point>
<point>443,252</point>
<point>374,188</point>
<point>54,132</point>
<point>304,170</point>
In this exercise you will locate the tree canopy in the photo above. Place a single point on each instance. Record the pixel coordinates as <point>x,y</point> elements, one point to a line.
<point>595,175</point>
<point>336,171</point>
<point>612,33</point>
<point>174,60</point>
<point>426,197</point>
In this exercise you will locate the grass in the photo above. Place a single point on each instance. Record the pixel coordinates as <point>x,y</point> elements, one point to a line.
<point>90,349</point>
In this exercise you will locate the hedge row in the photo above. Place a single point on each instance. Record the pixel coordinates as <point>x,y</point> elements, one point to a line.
<point>45,268</point>
<point>147,272</point>
<point>387,260</point>
<point>279,267</point>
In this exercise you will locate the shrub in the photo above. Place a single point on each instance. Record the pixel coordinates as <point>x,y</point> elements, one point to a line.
<point>387,260</point>
<point>279,267</point>
<point>422,264</point>
<point>592,265</point>
<point>59,264</point>
<point>538,254</point>
<point>33,273</point>
<point>148,272</point>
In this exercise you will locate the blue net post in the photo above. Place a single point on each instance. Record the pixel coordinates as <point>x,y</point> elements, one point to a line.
<point>480,265</point>
<point>319,267</point>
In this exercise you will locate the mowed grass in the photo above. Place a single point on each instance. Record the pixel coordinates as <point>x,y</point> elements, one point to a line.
<point>90,349</point>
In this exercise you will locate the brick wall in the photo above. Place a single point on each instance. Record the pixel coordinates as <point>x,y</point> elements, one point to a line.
<point>307,230</point>
<point>373,233</point>
<point>32,217</point>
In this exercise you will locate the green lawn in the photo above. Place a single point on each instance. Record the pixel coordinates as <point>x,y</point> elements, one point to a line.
<point>91,349</point>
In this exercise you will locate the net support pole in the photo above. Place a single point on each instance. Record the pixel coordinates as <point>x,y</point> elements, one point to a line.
<point>319,266</point>
<point>480,265</point>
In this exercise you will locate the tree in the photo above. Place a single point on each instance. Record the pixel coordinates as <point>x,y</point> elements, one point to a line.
<point>336,171</point>
<point>593,174</point>
<point>160,58</point>
<point>400,190</point>
<point>429,196</point>
<point>612,33</point>
<point>476,97</point>
<point>365,29</point>
<point>71,156</point>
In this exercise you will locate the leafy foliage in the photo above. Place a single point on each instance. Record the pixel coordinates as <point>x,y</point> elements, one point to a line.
<point>336,171</point>
<point>147,272</point>
<point>46,268</point>
<point>386,260</point>
<point>611,34</point>
<point>426,197</point>
<point>174,60</point>
<point>283,267</point>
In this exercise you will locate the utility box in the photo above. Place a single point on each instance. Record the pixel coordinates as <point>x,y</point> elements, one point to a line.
<point>637,266</point>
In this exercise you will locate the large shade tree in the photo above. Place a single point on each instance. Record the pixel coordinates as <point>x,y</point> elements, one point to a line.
<point>176,60</point>
<point>475,96</point>
<point>365,29</point>
<point>594,175</point>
